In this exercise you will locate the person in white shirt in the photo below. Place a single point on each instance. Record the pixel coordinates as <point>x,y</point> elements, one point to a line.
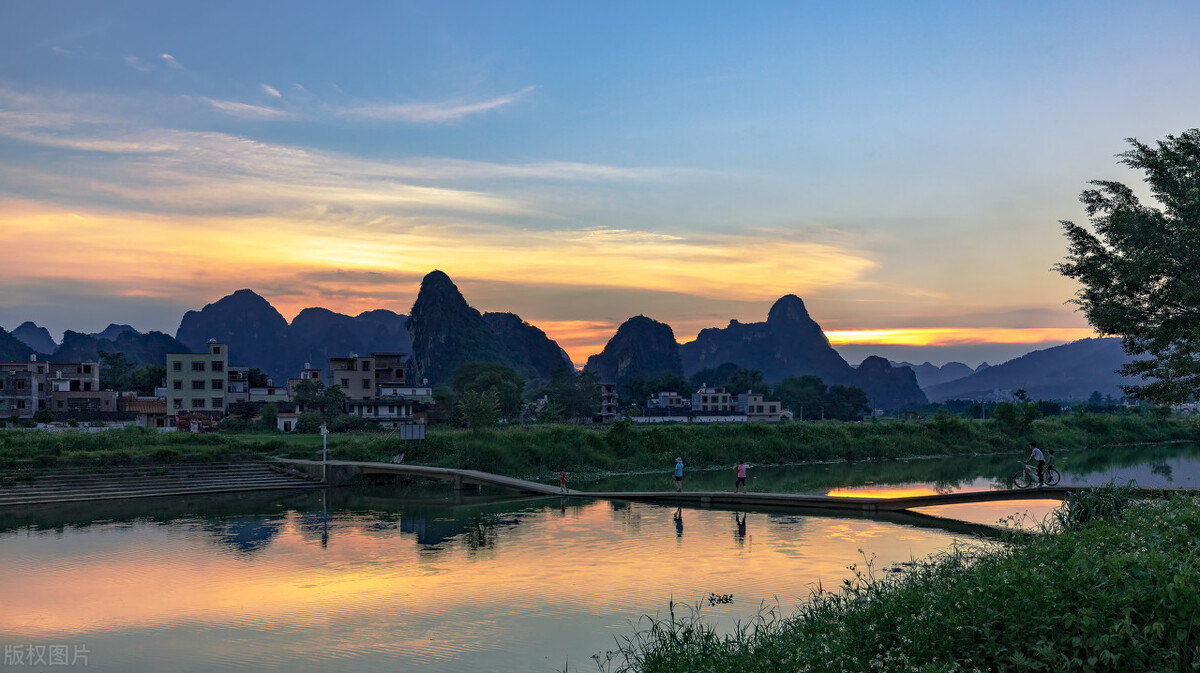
<point>1036,454</point>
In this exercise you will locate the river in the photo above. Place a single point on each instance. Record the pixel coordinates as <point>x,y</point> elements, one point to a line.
<point>419,578</point>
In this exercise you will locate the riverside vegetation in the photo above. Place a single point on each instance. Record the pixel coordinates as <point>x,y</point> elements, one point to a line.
<point>540,450</point>
<point>1116,586</point>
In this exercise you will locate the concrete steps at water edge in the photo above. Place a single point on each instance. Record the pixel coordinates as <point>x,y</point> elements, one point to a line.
<point>148,481</point>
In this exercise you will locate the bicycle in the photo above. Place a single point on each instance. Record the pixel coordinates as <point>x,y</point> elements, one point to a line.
<point>1028,475</point>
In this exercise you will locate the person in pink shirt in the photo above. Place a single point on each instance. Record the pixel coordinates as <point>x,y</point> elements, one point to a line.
<point>741,477</point>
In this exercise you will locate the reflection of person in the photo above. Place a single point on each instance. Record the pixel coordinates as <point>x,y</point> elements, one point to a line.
<point>678,474</point>
<point>1036,454</point>
<point>741,477</point>
<point>678,522</point>
<point>741,526</point>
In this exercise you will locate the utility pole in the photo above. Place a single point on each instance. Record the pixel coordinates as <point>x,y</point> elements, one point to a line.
<point>324,449</point>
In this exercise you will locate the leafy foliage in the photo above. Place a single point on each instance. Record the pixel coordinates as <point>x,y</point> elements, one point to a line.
<point>578,393</point>
<point>479,408</point>
<point>1119,593</point>
<point>1140,270</point>
<point>503,382</point>
<point>809,399</point>
<point>641,388</point>
<point>1017,417</point>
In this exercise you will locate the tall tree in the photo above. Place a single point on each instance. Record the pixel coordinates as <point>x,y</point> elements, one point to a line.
<point>577,392</point>
<point>1140,269</point>
<point>481,377</point>
<point>744,380</point>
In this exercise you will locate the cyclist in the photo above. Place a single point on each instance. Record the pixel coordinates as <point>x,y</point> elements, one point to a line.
<point>1036,454</point>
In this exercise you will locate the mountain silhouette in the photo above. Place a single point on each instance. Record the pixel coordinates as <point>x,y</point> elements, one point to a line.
<point>1070,372</point>
<point>641,347</point>
<point>789,343</point>
<point>37,338</point>
<point>447,332</point>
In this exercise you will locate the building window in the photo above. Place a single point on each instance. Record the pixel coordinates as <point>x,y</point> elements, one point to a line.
<point>217,384</point>
<point>178,385</point>
<point>197,366</point>
<point>345,383</point>
<point>197,403</point>
<point>197,385</point>
<point>20,385</point>
<point>87,369</point>
<point>216,350</point>
<point>87,385</point>
<point>178,403</point>
<point>177,366</point>
<point>20,404</point>
<point>60,404</point>
<point>366,384</point>
<point>218,402</point>
<point>218,366</point>
<point>367,366</point>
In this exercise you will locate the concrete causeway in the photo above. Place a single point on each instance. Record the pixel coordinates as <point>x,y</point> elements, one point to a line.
<point>723,499</point>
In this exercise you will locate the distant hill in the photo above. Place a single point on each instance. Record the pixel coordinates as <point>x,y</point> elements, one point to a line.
<point>447,332</point>
<point>1070,372</point>
<point>528,343</point>
<point>37,338</point>
<point>641,347</point>
<point>13,349</point>
<point>259,336</point>
<point>149,348</point>
<point>256,333</point>
<point>789,343</point>
<point>931,375</point>
<point>113,331</point>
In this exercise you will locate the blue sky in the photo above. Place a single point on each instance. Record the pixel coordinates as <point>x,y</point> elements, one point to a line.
<point>900,166</point>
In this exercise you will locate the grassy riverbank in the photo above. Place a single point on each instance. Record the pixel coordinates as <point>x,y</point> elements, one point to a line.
<point>544,449</point>
<point>1112,590</point>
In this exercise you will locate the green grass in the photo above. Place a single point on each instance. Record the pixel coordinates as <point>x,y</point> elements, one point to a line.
<point>1117,590</point>
<point>545,449</point>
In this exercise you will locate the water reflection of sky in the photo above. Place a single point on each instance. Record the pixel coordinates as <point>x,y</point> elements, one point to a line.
<point>505,590</point>
<point>374,581</point>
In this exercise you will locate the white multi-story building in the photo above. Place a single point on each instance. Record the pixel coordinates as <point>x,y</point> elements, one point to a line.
<point>197,382</point>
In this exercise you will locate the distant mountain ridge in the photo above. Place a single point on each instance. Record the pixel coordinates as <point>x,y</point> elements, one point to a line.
<point>789,343</point>
<point>259,336</point>
<point>37,338</point>
<point>1070,372</point>
<point>150,348</point>
<point>929,374</point>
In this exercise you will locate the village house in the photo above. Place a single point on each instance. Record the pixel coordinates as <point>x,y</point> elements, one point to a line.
<point>197,382</point>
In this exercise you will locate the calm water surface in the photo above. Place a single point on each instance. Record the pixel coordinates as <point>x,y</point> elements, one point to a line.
<point>389,579</point>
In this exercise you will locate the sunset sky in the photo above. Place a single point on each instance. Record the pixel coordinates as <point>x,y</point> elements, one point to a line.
<point>902,167</point>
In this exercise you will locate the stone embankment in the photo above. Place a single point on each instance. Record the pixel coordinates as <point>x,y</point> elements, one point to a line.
<point>149,481</point>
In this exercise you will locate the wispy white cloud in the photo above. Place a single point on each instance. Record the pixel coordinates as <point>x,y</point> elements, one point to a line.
<point>246,110</point>
<point>430,113</point>
<point>137,64</point>
<point>170,61</point>
<point>60,51</point>
<point>271,91</point>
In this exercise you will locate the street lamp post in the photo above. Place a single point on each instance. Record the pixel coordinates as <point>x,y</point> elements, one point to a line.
<point>324,449</point>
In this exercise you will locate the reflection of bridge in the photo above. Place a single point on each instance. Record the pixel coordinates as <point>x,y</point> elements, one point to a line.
<point>718,499</point>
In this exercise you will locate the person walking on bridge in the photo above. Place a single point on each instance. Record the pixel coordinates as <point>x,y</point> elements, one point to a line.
<point>741,477</point>
<point>679,474</point>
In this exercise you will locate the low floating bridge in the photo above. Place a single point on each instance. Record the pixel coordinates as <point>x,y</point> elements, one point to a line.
<point>721,499</point>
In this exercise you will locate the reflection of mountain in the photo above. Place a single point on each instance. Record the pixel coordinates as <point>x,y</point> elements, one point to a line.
<point>478,532</point>
<point>250,534</point>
